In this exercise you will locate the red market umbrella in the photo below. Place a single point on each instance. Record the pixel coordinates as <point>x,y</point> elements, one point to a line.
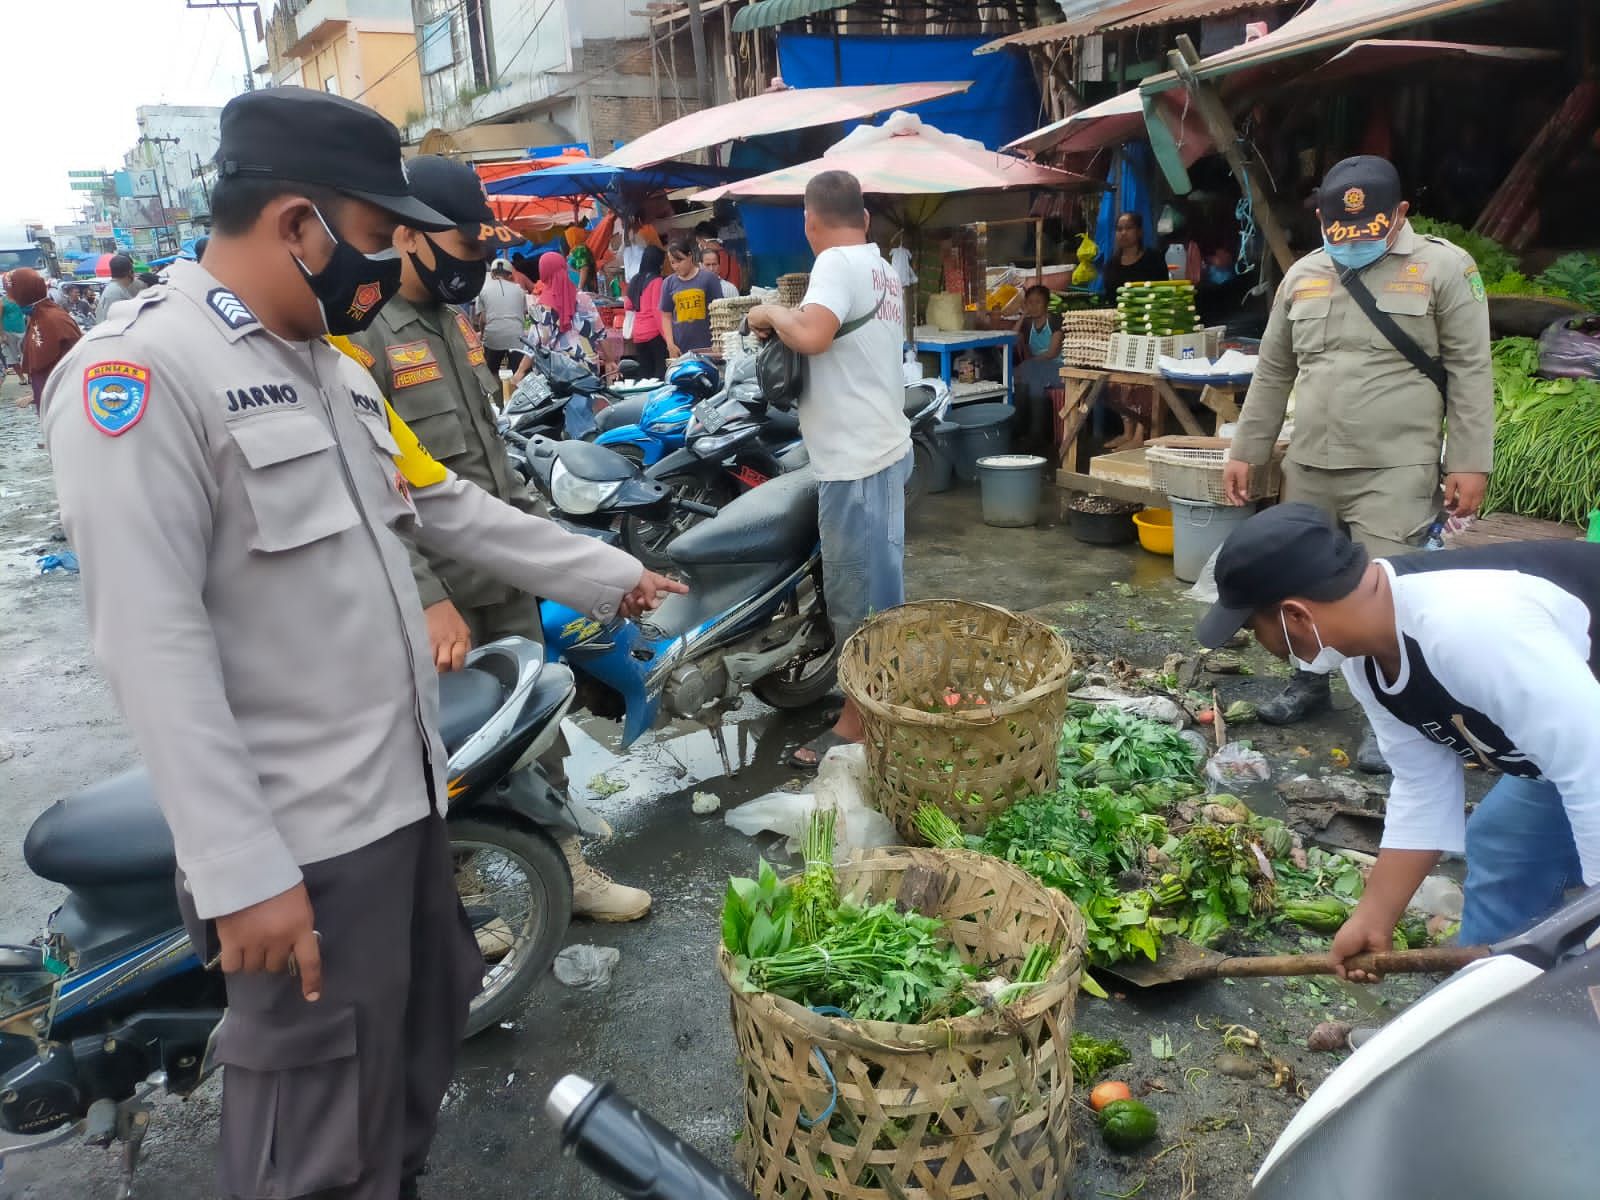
<point>904,157</point>
<point>1114,121</point>
<point>773,112</point>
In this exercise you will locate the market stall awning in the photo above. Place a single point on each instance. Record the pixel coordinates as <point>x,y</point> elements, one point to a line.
<point>764,14</point>
<point>1114,121</point>
<point>774,112</point>
<point>592,177</point>
<point>1381,54</point>
<point>904,157</point>
<point>1065,31</point>
<point>1326,24</point>
<point>1177,11</point>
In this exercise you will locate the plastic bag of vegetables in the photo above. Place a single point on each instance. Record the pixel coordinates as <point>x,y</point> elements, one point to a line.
<point>1570,349</point>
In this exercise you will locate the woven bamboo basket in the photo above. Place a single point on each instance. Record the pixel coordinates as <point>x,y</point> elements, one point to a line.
<point>974,760</point>
<point>957,1109</point>
<point>792,288</point>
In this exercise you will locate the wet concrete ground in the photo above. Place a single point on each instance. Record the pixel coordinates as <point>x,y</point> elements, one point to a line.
<point>661,1028</point>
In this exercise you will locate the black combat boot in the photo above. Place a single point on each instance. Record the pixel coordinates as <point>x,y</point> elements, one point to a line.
<point>1306,696</point>
<point>1369,756</point>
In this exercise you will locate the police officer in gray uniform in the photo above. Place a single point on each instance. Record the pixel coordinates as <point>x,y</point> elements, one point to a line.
<point>232,485</point>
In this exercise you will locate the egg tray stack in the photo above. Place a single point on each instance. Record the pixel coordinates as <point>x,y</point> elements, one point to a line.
<point>1163,309</point>
<point>726,315</point>
<point>1086,336</point>
<point>792,288</point>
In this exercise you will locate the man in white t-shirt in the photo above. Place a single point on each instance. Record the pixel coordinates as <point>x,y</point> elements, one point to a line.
<point>1484,657</point>
<point>852,416</point>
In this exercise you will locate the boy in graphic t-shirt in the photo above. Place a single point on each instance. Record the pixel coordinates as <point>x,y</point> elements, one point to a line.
<point>686,297</point>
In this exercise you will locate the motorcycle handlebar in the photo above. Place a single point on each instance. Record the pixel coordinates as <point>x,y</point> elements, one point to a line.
<point>629,1149</point>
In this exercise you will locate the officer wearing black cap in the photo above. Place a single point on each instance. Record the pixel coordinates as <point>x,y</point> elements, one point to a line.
<point>1484,657</point>
<point>1370,410</point>
<point>233,486</point>
<point>429,361</point>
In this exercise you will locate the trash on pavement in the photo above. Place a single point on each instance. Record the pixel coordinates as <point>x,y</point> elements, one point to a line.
<point>1233,765</point>
<point>706,803</point>
<point>587,967</point>
<point>841,782</point>
<point>65,561</point>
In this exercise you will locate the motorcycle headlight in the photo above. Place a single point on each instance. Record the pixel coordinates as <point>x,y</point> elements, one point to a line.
<point>577,495</point>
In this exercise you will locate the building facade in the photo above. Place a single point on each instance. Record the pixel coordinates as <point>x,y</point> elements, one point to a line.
<point>363,50</point>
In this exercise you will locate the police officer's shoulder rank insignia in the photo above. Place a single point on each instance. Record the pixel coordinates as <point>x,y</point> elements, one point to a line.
<point>230,308</point>
<point>1475,282</point>
<point>115,395</point>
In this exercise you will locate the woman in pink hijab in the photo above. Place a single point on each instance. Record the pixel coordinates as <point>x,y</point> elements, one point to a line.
<point>565,321</point>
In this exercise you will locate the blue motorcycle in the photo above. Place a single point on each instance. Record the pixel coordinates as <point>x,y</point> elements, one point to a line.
<point>754,617</point>
<point>664,420</point>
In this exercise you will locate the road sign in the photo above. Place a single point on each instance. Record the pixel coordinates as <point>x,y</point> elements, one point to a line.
<point>84,185</point>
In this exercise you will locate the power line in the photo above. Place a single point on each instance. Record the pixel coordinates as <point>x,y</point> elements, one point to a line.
<point>458,7</point>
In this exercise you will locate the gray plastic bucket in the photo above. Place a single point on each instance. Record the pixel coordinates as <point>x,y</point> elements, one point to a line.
<point>942,468</point>
<point>1010,484</point>
<point>1198,529</point>
<point>983,429</point>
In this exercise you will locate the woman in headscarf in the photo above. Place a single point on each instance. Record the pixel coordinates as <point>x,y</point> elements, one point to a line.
<point>50,332</point>
<point>565,322</point>
<point>644,302</point>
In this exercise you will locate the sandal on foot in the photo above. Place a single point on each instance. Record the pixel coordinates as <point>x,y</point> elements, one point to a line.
<point>819,745</point>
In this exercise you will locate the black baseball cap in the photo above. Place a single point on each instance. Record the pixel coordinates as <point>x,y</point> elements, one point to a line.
<point>1291,550</point>
<point>1358,199</point>
<point>302,136</point>
<point>454,190</point>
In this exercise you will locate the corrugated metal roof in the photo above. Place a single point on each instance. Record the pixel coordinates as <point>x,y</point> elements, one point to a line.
<point>1063,31</point>
<point>765,13</point>
<point>1193,10</point>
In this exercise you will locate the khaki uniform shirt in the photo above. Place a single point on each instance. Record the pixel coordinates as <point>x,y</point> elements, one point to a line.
<point>430,363</point>
<point>233,499</point>
<point>1358,401</point>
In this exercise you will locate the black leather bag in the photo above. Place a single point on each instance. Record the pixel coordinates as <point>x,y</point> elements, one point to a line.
<point>780,370</point>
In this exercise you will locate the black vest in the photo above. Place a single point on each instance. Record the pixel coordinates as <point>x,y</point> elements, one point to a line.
<point>1426,706</point>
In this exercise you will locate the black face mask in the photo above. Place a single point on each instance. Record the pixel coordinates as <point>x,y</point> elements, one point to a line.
<point>450,280</point>
<point>353,286</point>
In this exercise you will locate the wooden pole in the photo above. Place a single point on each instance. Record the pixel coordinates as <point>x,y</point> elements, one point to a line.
<point>1220,126</point>
<point>702,64</point>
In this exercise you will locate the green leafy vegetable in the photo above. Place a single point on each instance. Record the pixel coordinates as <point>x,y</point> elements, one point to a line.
<point>1092,1056</point>
<point>1494,261</point>
<point>816,897</point>
<point>1107,746</point>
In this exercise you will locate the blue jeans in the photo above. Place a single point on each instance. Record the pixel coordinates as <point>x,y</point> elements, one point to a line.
<point>863,527</point>
<point>1520,859</point>
<point>579,415</point>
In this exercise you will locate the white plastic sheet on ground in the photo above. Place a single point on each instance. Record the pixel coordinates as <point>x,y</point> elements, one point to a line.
<point>841,783</point>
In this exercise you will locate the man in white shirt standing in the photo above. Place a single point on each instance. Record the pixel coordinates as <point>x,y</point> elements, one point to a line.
<point>1485,657</point>
<point>852,416</point>
<point>502,313</point>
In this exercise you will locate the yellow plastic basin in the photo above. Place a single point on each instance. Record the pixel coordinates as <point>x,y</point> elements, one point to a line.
<point>1155,530</point>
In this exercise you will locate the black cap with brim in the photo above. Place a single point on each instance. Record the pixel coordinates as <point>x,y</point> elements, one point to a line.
<point>1358,199</point>
<point>301,136</point>
<point>1291,551</point>
<point>454,190</point>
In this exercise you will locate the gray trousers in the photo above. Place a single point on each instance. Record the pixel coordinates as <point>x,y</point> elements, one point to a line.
<point>338,1100</point>
<point>863,528</point>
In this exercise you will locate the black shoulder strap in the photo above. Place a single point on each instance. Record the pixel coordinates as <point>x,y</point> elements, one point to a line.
<point>1432,368</point>
<point>850,327</point>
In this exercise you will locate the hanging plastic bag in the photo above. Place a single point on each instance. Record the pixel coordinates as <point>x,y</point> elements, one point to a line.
<point>1088,251</point>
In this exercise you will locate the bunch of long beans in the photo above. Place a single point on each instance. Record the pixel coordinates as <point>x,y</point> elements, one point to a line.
<point>1547,461</point>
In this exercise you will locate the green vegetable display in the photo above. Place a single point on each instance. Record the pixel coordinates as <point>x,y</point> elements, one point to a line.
<point>1127,1125</point>
<point>1324,914</point>
<point>1546,440</point>
<point>1157,309</point>
<point>1107,746</point>
<point>1494,261</point>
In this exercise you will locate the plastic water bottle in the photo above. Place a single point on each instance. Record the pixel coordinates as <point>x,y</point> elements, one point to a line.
<point>1177,261</point>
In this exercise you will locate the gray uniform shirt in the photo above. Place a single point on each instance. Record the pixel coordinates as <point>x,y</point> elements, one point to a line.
<point>233,498</point>
<point>113,292</point>
<point>1358,401</point>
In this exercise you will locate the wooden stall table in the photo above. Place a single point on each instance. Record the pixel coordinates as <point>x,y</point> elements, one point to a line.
<point>1084,388</point>
<point>1224,399</point>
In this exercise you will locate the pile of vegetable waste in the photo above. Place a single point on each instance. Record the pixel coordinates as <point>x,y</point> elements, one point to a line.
<point>1126,836</point>
<point>1546,439</point>
<point>872,962</point>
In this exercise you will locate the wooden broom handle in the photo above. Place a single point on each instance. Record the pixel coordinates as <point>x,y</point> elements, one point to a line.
<point>1395,962</point>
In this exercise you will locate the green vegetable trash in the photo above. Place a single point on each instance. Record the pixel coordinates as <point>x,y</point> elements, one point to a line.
<point>1127,1125</point>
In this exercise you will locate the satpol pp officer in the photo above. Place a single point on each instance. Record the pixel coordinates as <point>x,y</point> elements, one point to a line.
<point>232,485</point>
<point>1383,337</point>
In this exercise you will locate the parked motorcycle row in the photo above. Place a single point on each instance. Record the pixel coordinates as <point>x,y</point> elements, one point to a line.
<point>113,1003</point>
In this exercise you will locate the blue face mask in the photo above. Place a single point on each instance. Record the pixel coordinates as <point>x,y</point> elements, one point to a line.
<point>1355,255</point>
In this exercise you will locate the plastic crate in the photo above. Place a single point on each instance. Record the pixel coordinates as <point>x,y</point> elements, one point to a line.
<point>1194,474</point>
<point>1139,352</point>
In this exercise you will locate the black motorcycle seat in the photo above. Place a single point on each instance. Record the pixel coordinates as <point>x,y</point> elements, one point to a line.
<point>623,412</point>
<point>109,834</point>
<point>467,699</point>
<point>776,522</point>
<point>780,426</point>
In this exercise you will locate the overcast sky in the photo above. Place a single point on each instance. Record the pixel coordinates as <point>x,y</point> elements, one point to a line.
<point>75,71</point>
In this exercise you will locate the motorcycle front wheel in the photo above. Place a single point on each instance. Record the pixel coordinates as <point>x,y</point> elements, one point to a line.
<point>517,891</point>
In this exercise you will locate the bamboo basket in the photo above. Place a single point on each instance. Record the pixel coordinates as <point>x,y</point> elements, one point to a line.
<point>959,1109</point>
<point>972,762</point>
